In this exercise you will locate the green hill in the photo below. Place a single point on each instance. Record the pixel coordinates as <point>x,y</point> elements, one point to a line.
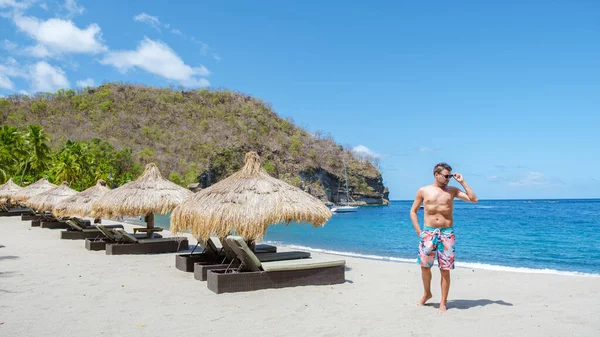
<point>197,136</point>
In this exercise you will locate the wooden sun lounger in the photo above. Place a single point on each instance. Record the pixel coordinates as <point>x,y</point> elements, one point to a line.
<point>54,224</point>
<point>212,253</point>
<point>15,211</point>
<point>129,244</point>
<point>38,218</point>
<point>232,260</point>
<point>209,253</point>
<point>81,230</point>
<point>32,215</point>
<point>254,275</point>
<point>107,236</point>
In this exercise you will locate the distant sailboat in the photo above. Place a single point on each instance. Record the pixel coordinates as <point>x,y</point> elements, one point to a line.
<point>345,208</point>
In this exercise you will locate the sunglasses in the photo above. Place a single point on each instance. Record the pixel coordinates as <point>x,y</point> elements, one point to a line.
<point>447,176</point>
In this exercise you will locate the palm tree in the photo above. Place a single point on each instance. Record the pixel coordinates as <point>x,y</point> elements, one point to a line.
<point>12,152</point>
<point>68,164</point>
<point>38,151</point>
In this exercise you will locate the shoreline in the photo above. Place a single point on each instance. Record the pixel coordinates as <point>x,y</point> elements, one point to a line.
<point>458,264</point>
<point>56,287</point>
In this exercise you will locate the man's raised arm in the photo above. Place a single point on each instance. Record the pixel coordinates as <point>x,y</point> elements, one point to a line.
<point>469,195</point>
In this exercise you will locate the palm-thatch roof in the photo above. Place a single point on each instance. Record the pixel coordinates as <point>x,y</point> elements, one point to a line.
<point>247,202</point>
<point>36,188</point>
<point>8,189</point>
<point>46,201</point>
<point>81,203</point>
<point>147,195</point>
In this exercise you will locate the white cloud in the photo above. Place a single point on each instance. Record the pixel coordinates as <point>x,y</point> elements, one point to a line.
<point>57,36</point>
<point>10,69</point>
<point>24,92</point>
<point>157,58</point>
<point>149,19</point>
<point>38,50</point>
<point>88,82</point>
<point>155,22</point>
<point>496,178</point>
<point>16,4</point>
<point>363,150</point>
<point>9,45</point>
<point>41,75</point>
<point>73,8</point>
<point>530,179</point>
<point>6,83</point>
<point>47,78</point>
<point>44,6</point>
<point>425,149</point>
<point>204,50</point>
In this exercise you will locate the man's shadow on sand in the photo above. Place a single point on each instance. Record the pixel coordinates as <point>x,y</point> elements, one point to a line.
<point>468,304</point>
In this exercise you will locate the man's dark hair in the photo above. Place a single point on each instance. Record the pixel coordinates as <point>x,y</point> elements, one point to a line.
<point>440,167</point>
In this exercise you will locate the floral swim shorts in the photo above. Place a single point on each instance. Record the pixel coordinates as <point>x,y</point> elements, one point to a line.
<point>437,242</point>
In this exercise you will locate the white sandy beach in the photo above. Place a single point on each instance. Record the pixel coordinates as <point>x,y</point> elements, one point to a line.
<point>52,287</point>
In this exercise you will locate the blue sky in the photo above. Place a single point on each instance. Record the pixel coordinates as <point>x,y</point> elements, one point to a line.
<point>506,93</point>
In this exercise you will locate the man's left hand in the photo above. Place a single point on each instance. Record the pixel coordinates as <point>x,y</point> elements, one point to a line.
<point>459,177</point>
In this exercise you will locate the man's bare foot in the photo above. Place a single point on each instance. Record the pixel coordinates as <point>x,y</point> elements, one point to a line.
<point>424,299</point>
<point>443,309</point>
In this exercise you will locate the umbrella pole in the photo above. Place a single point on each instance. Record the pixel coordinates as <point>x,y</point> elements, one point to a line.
<point>150,220</point>
<point>149,223</point>
<point>251,244</point>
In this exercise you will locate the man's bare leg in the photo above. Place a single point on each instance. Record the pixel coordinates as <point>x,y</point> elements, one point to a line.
<point>426,276</point>
<point>445,289</point>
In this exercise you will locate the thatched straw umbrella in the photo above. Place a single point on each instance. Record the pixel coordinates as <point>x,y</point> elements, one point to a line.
<point>247,202</point>
<point>81,203</point>
<point>147,195</point>
<point>36,188</point>
<point>8,189</point>
<point>46,201</point>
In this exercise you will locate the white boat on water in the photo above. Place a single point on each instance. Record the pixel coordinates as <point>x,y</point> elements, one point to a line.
<point>345,208</point>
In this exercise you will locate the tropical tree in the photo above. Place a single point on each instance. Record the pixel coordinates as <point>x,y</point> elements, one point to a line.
<point>67,164</point>
<point>10,151</point>
<point>38,151</point>
<point>26,154</point>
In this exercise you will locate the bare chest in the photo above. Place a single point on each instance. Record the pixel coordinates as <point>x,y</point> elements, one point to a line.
<point>438,198</point>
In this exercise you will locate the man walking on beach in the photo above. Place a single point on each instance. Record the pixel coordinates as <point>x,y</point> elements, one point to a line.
<point>437,236</point>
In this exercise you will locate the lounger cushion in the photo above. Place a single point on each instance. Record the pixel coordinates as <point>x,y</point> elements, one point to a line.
<point>243,252</point>
<point>142,241</point>
<point>269,257</point>
<point>110,234</point>
<point>214,246</point>
<point>261,247</point>
<point>90,230</point>
<point>301,264</point>
<point>74,224</point>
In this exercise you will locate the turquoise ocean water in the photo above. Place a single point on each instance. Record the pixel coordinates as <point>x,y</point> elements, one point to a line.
<point>561,236</point>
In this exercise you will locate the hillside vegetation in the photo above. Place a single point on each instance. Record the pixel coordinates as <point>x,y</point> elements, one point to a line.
<point>193,136</point>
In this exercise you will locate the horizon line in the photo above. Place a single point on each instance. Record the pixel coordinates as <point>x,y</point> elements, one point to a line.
<point>509,199</point>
